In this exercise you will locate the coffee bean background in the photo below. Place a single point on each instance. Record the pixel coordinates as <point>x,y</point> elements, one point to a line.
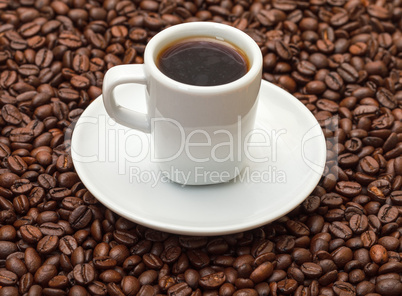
<point>342,59</point>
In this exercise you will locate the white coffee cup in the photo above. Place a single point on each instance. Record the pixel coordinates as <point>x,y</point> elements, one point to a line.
<point>198,132</point>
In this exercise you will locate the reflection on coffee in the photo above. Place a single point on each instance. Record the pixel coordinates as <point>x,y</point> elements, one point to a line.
<point>203,61</point>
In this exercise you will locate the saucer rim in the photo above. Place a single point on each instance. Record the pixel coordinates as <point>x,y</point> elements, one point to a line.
<point>200,230</point>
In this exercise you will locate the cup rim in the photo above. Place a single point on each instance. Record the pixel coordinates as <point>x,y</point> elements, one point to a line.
<point>176,32</point>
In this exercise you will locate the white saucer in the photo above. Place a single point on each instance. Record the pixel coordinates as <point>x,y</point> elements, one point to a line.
<point>114,164</point>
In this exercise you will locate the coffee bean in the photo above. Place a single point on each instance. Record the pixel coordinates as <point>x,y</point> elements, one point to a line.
<point>26,282</point>
<point>11,114</point>
<point>127,238</point>
<point>97,288</point>
<point>386,98</point>
<point>348,189</point>
<point>358,223</point>
<point>44,273</point>
<point>8,278</point>
<point>119,253</point>
<point>52,229</point>
<point>48,244</point>
<point>378,254</point>
<point>104,262</point>
<point>84,274</point>
<point>369,165</point>
<point>152,261</point>
<point>8,291</point>
<point>146,278</point>
<point>311,204</point>
<point>198,258</point>
<point>30,234</point>
<point>387,214</point>
<point>67,244</point>
<point>179,289</point>
<point>16,265</point>
<point>212,281</point>
<point>262,272</point>
<point>340,230</point>
<point>59,281</point>
<point>32,260</point>
<point>80,217</point>
<point>389,287</point>
<point>368,238</point>
<point>287,286</point>
<point>297,228</point>
<point>46,217</point>
<point>283,50</point>
<point>80,82</point>
<point>70,40</point>
<point>16,164</point>
<point>192,242</point>
<point>81,63</point>
<point>390,243</point>
<point>379,189</point>
<point>334,81</point>
<point>343,288</point>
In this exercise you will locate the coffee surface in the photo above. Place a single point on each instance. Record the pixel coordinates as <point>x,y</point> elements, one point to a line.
<point>202,62</point>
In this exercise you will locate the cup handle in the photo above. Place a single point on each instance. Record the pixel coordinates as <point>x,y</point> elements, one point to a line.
<point>123,74</point>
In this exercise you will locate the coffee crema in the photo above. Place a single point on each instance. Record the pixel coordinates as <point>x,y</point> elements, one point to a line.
<point>202,61</point>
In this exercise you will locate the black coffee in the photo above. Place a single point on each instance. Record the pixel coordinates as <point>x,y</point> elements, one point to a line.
<point>203,62</point>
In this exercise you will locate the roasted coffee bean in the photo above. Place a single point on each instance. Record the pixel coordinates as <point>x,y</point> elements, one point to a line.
<point>283,50</point>
<point>45,273</point>
<point>358,223</point>
<point>387,214</point>
<point>98,288</point>
<point>119,253</point>
<point>16,164</point>
<point>334,81</point>
<point>212,281</point>
<point>8,278</point>
<point>343,288</point>
<point>368,238</point>
<point>70,40</point>
<point>340,230</point>
<point>47,216</point>
<point>369,165</point>
<point>11,114</point>
<point>52,229</point>
<point>262,272</point>
<point>32,260</point>
<point>388,242</point>
<point>48,244</point>
<point>16,265</point>
<point>348,189</point>
<point>67,245</point>
<point>198,258</point>
<point>297,228</point>
<point>389,287</point>
<point>59,281</point>
<point>179,289</point>
<point>80,217</point>
<point>104,262</point>
<point>30,234</point>
<point>146,278</point>
<point>127,238</point>
<point>84,274</point>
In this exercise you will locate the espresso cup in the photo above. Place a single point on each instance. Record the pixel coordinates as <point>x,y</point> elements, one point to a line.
<point>197,131</point>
